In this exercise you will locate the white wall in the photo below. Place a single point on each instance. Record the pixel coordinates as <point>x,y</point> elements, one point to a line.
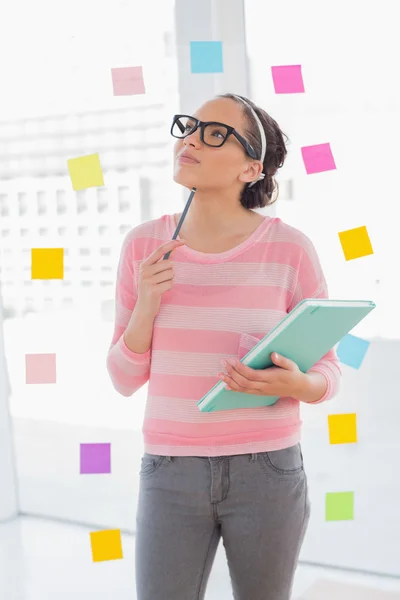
<point>8,488</point>
<point>368,468</point>
<point>50,482</point>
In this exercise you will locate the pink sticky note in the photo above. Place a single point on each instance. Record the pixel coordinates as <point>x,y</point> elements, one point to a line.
<point>288,79</point>
<point>40,368</point>
<point>318,158</point>
<point>128,81</point>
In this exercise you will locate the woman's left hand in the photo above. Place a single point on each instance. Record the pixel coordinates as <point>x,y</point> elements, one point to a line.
<point>285,379</point>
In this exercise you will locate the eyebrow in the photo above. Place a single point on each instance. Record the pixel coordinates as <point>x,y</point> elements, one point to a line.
<point>214,121</point>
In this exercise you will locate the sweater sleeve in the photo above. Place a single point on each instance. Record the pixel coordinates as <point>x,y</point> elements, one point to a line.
<point>128,370</point>
<point>311,283</point>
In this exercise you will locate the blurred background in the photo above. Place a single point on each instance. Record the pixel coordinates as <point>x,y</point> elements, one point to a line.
<point>57,103</point>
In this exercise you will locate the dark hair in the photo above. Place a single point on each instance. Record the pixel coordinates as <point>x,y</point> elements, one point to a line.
<point>261,193</point>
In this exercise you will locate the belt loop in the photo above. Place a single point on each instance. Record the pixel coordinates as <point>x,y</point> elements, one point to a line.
<point>253,457</point>
<point>169,458</point>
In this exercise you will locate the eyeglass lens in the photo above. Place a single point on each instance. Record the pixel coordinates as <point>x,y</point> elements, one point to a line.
<point>214,135</point>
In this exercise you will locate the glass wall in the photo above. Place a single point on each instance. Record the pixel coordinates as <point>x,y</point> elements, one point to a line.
<point>63,107</point>
<point>347,54</point>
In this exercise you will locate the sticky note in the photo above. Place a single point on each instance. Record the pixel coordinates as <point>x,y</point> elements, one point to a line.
<point>95,458</point>
<point>351,350</point>
<point>342,428</point>
<point>128,81</point>
<point>287,79</point>
<point>206,57</point>
<point>318,158</point>
<point>85,172</point>
<point>106,545</point>
<point>339,506</point>
<point>40,368</point>
<point>355,243</point>
<point>47,263</point>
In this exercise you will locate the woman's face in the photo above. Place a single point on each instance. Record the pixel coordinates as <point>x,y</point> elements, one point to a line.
<point>217,168</point>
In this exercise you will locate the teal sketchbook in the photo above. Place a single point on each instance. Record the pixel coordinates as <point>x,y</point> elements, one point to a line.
<point>305,335</point>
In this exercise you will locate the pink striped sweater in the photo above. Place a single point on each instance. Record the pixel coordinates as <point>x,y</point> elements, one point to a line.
<point>220,306</point>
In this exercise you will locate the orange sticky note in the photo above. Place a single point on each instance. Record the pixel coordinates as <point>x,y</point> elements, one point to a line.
<point>106,545</point>
<point>85,172</point>
<point>355,243</point>
<point>342,428</point>
<point>40,368</point>
<point>47,263</point>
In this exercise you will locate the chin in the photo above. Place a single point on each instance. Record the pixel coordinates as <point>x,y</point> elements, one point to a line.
<point>185,179</point>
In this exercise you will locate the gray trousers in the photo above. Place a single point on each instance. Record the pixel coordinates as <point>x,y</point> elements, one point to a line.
<point>258,504</point>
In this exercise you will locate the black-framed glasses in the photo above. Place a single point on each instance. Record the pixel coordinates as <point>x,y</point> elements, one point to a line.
<point>212,133</point>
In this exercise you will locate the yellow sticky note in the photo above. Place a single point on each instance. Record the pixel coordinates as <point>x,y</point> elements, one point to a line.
<point>343,428</point>
<point>106,545</point>
<point>47,263</point>
<point>355,243</point>
<point>85,172</point>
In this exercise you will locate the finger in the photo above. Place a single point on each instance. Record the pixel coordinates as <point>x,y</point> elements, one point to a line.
<point>259,389</point>
<point>247,372</point>
<point>235,387</point>
<point>283,362</point>
<point>161,250</point>
<point>177,245</point>
<point>241,381</point>
<point>232,385</point>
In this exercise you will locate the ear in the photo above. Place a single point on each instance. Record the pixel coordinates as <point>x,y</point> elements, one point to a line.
<point>251,171</point>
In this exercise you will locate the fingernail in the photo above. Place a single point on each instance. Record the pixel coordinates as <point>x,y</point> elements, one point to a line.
<point>232,361</point>
<point>223,362</point>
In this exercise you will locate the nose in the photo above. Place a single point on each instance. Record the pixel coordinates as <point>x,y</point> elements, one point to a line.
<point>193,139</point>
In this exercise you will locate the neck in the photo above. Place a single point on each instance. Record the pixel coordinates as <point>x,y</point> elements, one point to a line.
<point>216,213</point>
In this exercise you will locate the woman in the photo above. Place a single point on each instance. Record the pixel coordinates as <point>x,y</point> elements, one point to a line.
<point>234,474</point>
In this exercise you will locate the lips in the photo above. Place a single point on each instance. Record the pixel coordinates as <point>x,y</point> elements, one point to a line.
<point>187,158</point>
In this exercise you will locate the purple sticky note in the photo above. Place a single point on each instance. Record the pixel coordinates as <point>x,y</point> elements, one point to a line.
<point>40,368</point>
<point>288,79</point>
<point>95,458</point>
<point>128,81</point>
<point>318,158</point>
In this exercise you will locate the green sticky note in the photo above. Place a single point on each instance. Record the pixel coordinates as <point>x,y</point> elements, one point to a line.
<point>339,506</point>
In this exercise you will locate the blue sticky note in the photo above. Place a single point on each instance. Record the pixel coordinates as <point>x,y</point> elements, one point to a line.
<point>351,350</point>
<point>206,57</point>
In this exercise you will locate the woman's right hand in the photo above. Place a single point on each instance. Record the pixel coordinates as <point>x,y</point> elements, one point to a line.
<point>156,277</point>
